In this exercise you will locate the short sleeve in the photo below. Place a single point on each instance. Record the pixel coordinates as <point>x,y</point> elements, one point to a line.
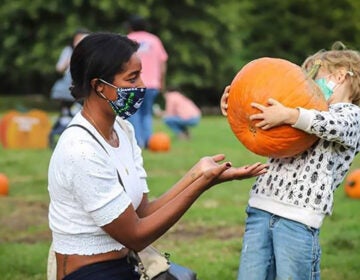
<point>94,181</point>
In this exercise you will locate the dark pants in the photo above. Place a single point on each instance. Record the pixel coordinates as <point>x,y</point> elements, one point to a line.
<point>119,269</point>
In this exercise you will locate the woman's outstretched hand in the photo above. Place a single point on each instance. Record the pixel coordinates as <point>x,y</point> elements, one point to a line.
<point>243,172</point>
<point>213,172</point>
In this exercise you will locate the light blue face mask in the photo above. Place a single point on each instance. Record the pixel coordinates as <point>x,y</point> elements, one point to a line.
<point>326,87</point>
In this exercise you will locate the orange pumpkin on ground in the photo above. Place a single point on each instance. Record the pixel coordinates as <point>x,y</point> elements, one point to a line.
<point>4,185</point>
<point>4,121</point>
<point>28,130</point>
<point>159,142</point>
<point>284,81</point>
<point>352,184</point>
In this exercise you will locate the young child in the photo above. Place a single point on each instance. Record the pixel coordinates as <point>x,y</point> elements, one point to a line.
<point>288,204</point>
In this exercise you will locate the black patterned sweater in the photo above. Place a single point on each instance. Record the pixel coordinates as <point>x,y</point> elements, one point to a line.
<point>301,188</point>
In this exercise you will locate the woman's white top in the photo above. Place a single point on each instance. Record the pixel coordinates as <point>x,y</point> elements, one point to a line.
<point>85,192</point>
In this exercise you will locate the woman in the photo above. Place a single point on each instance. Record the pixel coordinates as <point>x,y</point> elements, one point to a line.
<point>99,206</point>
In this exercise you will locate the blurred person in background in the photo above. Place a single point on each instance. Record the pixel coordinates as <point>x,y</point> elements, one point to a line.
<point>60,91</point>
<point>180,113</point>
<point>154,63</point>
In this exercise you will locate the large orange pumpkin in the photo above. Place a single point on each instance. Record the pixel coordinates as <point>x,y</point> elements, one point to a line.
<point>284,81</point>
<point>4,185</point>
<point>352,184</point>
<point>159,142</point>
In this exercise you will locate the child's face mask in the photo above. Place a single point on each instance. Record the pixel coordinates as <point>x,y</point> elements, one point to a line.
<point>326,87</point>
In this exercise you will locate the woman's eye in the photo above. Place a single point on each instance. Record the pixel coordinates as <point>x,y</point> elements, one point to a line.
<point>133,79</point>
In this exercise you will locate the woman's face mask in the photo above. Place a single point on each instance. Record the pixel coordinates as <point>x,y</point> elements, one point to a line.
<point>326,87</point>
<point>128,100</point>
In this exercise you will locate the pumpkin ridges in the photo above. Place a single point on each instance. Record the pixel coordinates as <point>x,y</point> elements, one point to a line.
<point>273,150</point>
<point>316,96</point>
<point>289,74</point>
<point>279,79</point>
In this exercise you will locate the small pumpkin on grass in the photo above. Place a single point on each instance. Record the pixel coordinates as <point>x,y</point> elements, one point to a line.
<point>4,185</point>
<point>284,81</point>
<point>352,184</point>
<point>159,142</point>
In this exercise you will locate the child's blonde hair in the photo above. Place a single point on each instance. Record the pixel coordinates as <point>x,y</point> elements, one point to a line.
<point>338,56</point>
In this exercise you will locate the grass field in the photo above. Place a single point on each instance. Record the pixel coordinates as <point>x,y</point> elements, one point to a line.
<point>207,239</point>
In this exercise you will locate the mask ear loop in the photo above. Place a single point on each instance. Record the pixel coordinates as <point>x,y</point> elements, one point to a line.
<point>314,69</point>
<point>99,93</point>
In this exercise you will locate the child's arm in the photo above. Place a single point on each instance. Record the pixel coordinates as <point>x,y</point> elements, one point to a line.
<point>340,124</point>
<point>274,115</point>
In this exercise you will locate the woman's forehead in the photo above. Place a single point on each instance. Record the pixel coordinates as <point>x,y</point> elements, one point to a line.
<point>134,64</point>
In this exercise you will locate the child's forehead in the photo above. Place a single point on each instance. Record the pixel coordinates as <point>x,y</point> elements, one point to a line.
<point>323,69</point>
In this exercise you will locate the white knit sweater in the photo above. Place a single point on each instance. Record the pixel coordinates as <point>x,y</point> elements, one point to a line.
<point>301,188</point>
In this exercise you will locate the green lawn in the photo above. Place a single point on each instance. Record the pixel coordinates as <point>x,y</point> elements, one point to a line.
<point>207,239</point>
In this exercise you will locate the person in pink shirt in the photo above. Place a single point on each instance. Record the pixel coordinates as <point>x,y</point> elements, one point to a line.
<point>180,113</point>
<point>154,61</point>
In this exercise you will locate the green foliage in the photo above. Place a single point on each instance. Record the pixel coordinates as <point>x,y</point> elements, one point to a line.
<point>295,29</point>
<point>207,41</point>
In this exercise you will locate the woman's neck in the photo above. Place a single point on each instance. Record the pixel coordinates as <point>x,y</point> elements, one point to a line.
<point>103,126</point>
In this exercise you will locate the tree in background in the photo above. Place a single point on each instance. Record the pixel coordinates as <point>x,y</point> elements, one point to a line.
<point>294,29</point>
<point>207,41</point>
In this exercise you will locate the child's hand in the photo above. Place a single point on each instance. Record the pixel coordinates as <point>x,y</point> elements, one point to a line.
<point>274,115</point>
<point>224,100</point>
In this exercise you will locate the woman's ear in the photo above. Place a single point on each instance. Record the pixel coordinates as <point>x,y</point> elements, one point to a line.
<point>97,85</point>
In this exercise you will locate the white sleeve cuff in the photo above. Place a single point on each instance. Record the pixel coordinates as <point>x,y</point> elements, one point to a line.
<point>111,210</point>
<point>305,119</point>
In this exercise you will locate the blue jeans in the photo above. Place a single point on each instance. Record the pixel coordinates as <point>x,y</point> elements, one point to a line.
<point>278,248</point>
<point>179,125</point>
<point>142,120</point>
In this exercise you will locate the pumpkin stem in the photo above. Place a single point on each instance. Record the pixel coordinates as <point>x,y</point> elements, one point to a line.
<point>314,69</point>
